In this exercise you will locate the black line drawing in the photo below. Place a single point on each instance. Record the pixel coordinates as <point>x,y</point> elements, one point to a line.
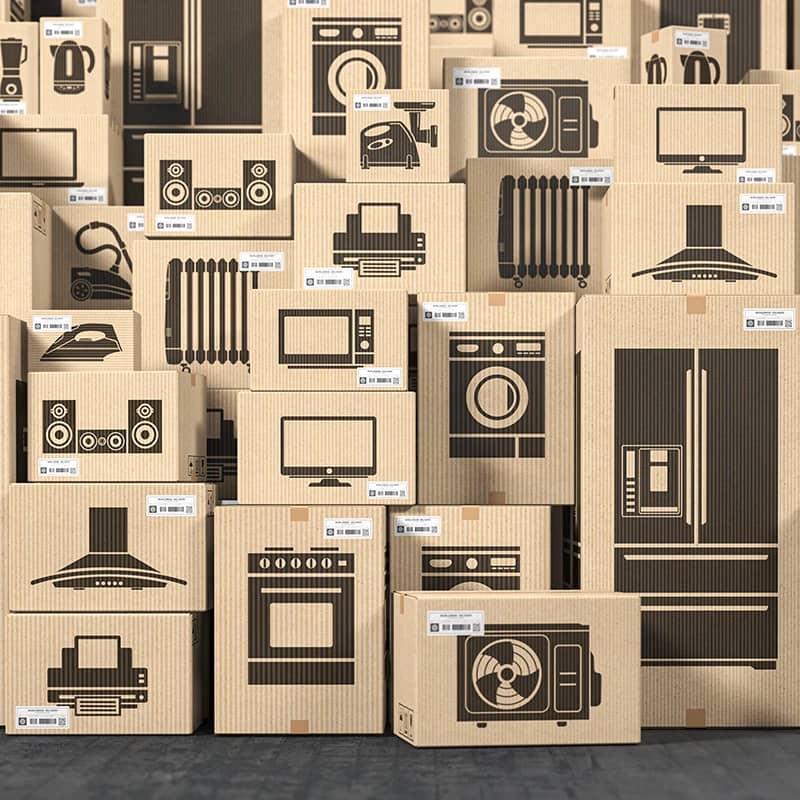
<point>175,184</point>
<point>222,449</point>
<point>467,16</point>
<point>89,341</point>
<point>69,68</point>
<point>345,337</point>
<point>704,258</point>
<point>393,143</point>
<point>689,424</point>
<point>89,283</point>
<point>544,118</point>
<point>21,430</point>
<point>543,229</point>
<point>301,617</point>
<point>351,55</point>
<point>699,67</point>
<point>444,568</point>
<point>343,447</point>
<point>560,23</point>
<point>790,126</point>
<point>108,565</point>
<point>18,8</point>
<point>656,69</point>
<point>61,141</point>
<point>97,678</point>
<point>13,53</point>
<point>497,394</point>
<point>526,673</point>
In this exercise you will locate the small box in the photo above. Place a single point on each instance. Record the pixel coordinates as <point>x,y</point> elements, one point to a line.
<point>19,84</point>
<point>464,45</point>
<point>684,55</point>
<point>222,461</point>
<point>789,81</point>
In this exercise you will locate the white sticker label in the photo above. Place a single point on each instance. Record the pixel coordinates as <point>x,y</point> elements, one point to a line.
<point>347,528</point>
<point>40,718</point>
<point>88,196</point>
<point>755,175</point>
<point>445,312</point>
<point>261,262</point>
<point>699,40</point>
<point>136,223</point>
<point>762,203</point>
<point>308,3</point>
<point>62,29</point>
<point>12,107</point>
<point>379,377</point>
<point>52,324</point>
<point>59,468</point>
<point>372,102</point>
<point>332,278</point>
<point>477,77</point>
<point>175,222</point>
<point>171,505</point>
<point>607,52</point>
<point>87,2</point>
<point>591,176</point>
<point>417,526</point>
<point>455,623</point>
<point>387,490</point>
<point>790,149</point>
<point>770,319</point>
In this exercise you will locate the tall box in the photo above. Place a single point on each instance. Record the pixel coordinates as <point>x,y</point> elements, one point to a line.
<point>19,53</point>
<point>684,55</point>
<point>789,81</point>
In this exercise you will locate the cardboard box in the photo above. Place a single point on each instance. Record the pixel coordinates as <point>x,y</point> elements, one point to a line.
<point>300,653</point>
<point>193,298</point>
<point>121,426</point>
<point>92,259</point>
<point>19,90</point>
<point>78,8</point>
<point>687,496</point>
<point>697,134</point>
<point>464,45</point>
<point>102,547</point>
<point>380,236</point>
<point>74,65</point>
<point>495,393</point>
<point>535,669</point>
<point>355,46</point>
<point>715,238</point>
<point>398,137</point>
<point>65,159</point>
<point>221,442</point>
<point>790,171</point>
<point>106,673</point>
<point>25,258</point>
<point>473,548</point>
<point>551,92</point>
<point>327,448</point>
<point>457,20</point>
<point>789,81</point>
<point>84,341</point>
<point>535,224</point>
<point>323,341</point>
<point>684,55</point>
<point>224,185</point>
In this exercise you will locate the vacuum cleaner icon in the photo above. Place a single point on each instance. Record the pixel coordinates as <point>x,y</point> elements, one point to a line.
<point>394,143</point>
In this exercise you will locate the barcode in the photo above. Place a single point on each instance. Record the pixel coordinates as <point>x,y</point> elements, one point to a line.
<point>386,493</point>
<point>422,529</point>
<point>44,721</point>
<point>457,627</point>
<point>62,469</point>
<point>174,509</point>
<point>335,282</point>
<point>777,322</point>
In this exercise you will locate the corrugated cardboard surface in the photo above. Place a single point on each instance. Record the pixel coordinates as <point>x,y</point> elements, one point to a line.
<point>246,627</point>
<point>700,138</point>
<point>449,387</point>
<point>462,45</point>
<point>28,34</point>
<point>291,440</point>
<point>53,528</point>
<point>664,60</point>
<point>674,221</point>
<point>549,237</point>
<point>461,20</point>
<point>197,320</point>
<point>103,403</point>
<point>97,341</point>
<point>753,479</point>
<point>432,257</point>
<point>322,78</point>
<point>168,648</point>
<point>234,186</point>
<point>487,547</point>
<point>313,340</point>
<point>75,8</point>
<point>789,81</point>
<point>221,442</point>
<point>790,170</point>
<point>590,80</point>
<point>442,683</point>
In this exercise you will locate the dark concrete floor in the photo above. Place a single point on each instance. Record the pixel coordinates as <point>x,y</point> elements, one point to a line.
<point>673,765</point>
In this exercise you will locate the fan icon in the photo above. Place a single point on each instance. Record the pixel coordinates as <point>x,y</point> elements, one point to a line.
<point>520,120</point>
<point>507,674</point>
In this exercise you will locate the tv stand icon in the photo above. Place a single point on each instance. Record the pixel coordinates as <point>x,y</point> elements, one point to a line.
<point>329,482</point>
<point>702,169</point>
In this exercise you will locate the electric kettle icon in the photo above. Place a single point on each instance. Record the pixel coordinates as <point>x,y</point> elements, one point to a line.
<point>698,68</point>
<point>656,68</point>
<point>69,70</point>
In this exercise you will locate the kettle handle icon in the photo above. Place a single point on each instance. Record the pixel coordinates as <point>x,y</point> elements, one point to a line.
<point>717,71</point>
<point>88,50</point>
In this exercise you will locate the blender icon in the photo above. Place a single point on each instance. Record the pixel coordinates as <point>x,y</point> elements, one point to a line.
<point>13,54</point>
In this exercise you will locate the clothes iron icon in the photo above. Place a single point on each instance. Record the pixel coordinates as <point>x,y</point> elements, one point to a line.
<point>700,68</point>
<point>90,341</point>
<point>656,69</point>
<point>394,143</point>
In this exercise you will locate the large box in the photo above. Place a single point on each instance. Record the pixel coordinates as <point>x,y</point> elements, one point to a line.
<point>789,81</point>
<point>495,393</point>
<point>715,238</point>
<point>222,467</point>
<point>512,668</point>
<point>324,448</point>
<point>688,497</point>
<point>697,134</point>
<point>300,633</point>
<point>225,185</point>
<point>790,172</point>
<point>106,673</point>
<point>19,89</point>
<point>465,45</point>
<point>344,341</point>
<point>193,297</point>
<point>534,224</point>
<point>684,55</point>
<point>102,547</point>
<point>120,426</point>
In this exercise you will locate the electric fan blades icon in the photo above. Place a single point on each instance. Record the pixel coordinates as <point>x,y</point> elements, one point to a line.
<point>519,120</point>
<point>507,674</point>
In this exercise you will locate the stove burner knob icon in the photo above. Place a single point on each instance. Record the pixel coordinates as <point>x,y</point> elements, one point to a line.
<point>280,563</point>
<point>264,563</point>
<point>296,563</point>
<point>311,563</point>
<point>326,563</point>
<point>471,563</point>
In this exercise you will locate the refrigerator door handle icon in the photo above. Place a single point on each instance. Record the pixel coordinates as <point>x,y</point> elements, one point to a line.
<point>689,446</point>
<point>703,446</point>
<point>198,57</point>
<point>187,4</point>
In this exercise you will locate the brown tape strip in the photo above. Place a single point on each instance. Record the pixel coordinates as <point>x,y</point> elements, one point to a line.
<point>654,36</point>
<point>695,718</point>
<point>497,299</point>
<point>497,498</point>
<point>299,726</point>
<point>299,514</point>
<point>696,304</point>
<point>470,513</point>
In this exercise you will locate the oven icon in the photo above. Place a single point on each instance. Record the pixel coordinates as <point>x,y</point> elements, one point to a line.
<point>467,568</point>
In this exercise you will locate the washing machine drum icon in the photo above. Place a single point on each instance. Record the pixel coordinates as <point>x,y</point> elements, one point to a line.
<point>497,398</point>
<point>355,71</point>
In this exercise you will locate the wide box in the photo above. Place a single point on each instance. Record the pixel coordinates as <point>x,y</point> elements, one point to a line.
<point>116,426</point>
<point>714,238</point>
<point>106,673</point>
<point>325,448</point>
<point>344,341</point>
<point>495,392</point>
<point>684,55</point>
<point>688,497</point>
<point>464,45</point>
<point>697,134</point>
<point>381,236</point>
<point>789,82</point>
<point>102,547</point>
<point>193,297</point>
<point>19,88</point>
<point>223,185</point>
<point>512,668</point>
<point>222,444</point>
<point>300,632</point>
<point>534,224</point>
